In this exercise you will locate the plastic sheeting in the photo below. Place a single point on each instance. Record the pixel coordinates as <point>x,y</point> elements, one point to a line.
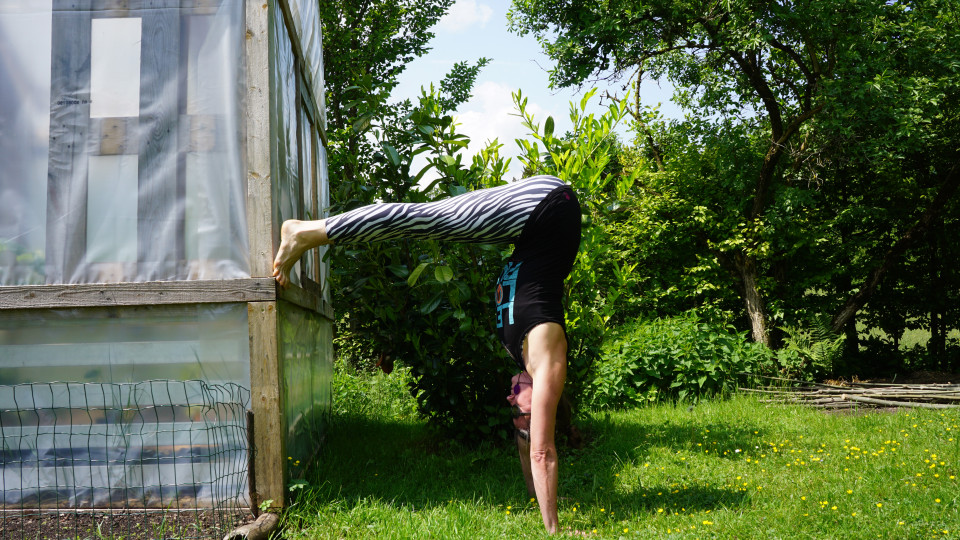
<point>131,344</point>
<point>307,356</point>
<point>120,139</point>
<point>298,158</point>
<point>306,26</point>
<point>109,438</point>
<point>157,444</point>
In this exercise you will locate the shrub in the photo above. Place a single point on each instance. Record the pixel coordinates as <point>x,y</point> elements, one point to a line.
<point>682,358</point>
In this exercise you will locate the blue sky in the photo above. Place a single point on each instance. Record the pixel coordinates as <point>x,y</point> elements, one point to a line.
<point>478,28</point>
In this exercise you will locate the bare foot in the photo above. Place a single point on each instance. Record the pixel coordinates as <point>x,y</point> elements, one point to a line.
<point>296,237</point>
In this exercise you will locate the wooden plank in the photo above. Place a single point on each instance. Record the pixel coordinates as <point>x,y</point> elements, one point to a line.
<point>266,377</point>
<point>260,224</point>
<point>133,294</point>
<point>69,125</point>
<point>162,179</point>
<point>306,299</point>
<point>115,135</point>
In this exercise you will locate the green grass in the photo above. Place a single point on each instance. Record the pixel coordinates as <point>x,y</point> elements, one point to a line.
<point>727,469</point>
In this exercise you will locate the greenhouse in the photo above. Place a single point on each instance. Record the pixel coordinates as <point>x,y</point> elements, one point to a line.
<point>151,149</point>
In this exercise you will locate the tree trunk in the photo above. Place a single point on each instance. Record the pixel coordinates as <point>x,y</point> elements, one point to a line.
<point>753,299</point>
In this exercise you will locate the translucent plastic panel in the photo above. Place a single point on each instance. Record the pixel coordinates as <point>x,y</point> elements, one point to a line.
<point>112,209</point>
<point>106,437</point>
<point>307,357</point>
<point>25,36</point>
<point>306,22</point>
<point>308,165</point>
<point>113,345</point>
<point>115,67</point>
<point>287,190</point>
<point>89,96</point>
<point>324,194</point>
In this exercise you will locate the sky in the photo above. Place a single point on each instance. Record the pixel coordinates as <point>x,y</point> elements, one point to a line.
<point>478,28</point>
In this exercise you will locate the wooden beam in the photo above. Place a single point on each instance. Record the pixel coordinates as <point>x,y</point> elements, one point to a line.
<point>266,377</point>
<point>266,370</point>
<point>260,224</point>
<point>162,180</point>
<point>136,294</point>
<point>69,126</point>
<point>306,299</point>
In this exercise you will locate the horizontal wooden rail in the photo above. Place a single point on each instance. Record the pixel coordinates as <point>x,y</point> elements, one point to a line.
<point>158,293</point>
<point>135,294</point>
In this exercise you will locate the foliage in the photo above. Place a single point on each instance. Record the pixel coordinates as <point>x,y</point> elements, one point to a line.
<point>585,159</point>
<point>681,358</point>
<point>426,303</point>
<point>820,158</point>
<point>372,394</point>
<point>810,353</point>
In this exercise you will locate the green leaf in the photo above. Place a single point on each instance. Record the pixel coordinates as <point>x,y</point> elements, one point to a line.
<point>548,127</point>
<point>431,305</point>
<point>399,270</point>
<point>443,273</point>
<point>415,275</point>
<point>392,154</point>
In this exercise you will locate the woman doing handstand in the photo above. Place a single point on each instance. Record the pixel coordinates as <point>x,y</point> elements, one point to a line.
<point>541,217</point>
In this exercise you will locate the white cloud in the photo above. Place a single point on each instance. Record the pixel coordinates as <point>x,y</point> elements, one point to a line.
<point>463,15</point>
<point>490,115</point>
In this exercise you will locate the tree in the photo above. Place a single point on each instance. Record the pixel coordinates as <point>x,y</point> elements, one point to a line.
<point>783,94</point>
<point>366,46</point>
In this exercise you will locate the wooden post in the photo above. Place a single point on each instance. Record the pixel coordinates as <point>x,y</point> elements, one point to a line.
<point>265,366</point>
<point>160,248</point>
<point>266,375</point>
<point>259,199</point>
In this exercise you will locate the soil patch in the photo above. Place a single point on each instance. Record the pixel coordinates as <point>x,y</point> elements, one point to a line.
<point>132,525</point>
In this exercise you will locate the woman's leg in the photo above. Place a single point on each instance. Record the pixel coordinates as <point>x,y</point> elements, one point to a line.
<point>546,361</point>
<point>296,237</point>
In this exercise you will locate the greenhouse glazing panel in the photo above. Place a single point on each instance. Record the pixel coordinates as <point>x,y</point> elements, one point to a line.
<point>121,141</point>
<point>307,362</point>
<point>154,408</point>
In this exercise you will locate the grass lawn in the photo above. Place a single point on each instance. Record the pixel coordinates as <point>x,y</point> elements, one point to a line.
<point>726,469</point>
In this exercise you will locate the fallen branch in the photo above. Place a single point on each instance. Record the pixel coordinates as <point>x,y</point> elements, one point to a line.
<point>888,403</point>
<point>258,530</point>
<point>823,395</point>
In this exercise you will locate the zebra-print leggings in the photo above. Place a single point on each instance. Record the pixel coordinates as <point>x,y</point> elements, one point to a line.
<point>540,216</point>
